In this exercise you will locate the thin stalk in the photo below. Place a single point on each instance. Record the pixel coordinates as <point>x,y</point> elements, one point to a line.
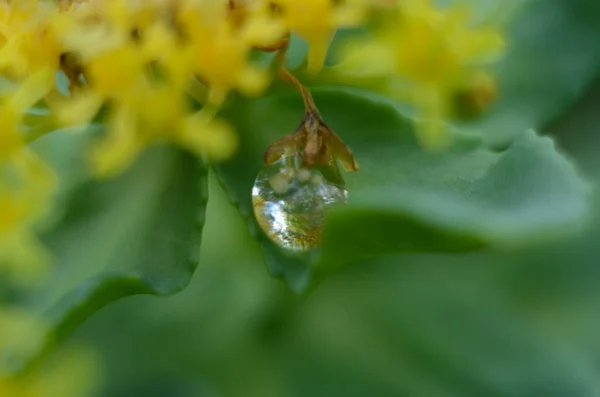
<point>309,102</point>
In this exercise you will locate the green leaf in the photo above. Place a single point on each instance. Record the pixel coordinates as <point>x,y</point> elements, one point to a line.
<point>578,132</point>
<point>136,234</point>
<point>552,57</point>
<point>404,199</point>
<point>402,325</point>
<point>435,326</point>
<point>65,151</point>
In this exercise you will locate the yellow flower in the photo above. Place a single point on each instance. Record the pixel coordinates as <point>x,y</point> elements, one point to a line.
<point>26,42</point>
<point>26,186</point>
<point>141,68</point>
<point>220,50</point>
<point>10,138</point>
<point>434,46</point>
<point>258,23</point>
<point>428,54</point>
<point>125,137</point>
<point>316,21</point>
<point>28,56</point>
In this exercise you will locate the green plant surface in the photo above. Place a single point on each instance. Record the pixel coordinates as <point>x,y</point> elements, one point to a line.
<point>521,191</point>
<point>434,254</point>
<point>138,233</point>
<point>551,59</point>
<point>404,199</point>
<point>423,325</point>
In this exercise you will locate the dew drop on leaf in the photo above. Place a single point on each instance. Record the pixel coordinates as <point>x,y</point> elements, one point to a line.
<point>290,201</point>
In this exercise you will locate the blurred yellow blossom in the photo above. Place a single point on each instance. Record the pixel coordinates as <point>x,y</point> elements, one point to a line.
<point>26,185</point>
<point>428,54</point>
<point>29,57</point>
<point>19,330</point>
<point>316,21</point>
<point>220,53</point>
<point>15,104</point>
<point>259,24</point>
<point>138,59</point>
<point>27,44</point>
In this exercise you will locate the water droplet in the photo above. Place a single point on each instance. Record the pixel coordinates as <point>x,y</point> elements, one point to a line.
<point>290,201</point>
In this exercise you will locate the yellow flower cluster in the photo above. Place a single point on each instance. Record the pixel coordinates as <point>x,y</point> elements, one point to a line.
<point>138,59</point>
<point>141,61</point>
<point>316,21</point>
<point>428,56</point>
<point>26,184</point>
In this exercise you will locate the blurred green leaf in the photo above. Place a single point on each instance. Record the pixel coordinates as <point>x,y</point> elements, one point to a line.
<point>65,151</point>
<point>553,55</point>
<point>206,333</point>
<point>441,325</point>
<point>136,234</point>
<point>435,326</point>
<point>579,131</point>
<point>404,199</point>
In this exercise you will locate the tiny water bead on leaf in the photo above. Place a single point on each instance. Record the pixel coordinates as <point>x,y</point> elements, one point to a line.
<point>301,179</point>
<point>290,201</point>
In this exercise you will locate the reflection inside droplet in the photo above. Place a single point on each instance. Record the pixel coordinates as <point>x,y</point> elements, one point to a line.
<point>290,201</point>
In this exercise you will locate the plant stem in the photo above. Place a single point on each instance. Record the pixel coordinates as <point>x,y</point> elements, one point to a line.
<point>309,102</point>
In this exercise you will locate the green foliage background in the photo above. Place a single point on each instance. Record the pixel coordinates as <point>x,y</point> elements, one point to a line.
<point>473,272</point>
